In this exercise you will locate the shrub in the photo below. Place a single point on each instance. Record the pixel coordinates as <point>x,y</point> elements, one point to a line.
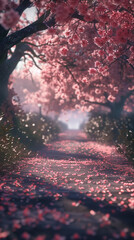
<point>125,141</point>
<point>62,126</point>
<point>116,131</point>
<point>21,134</point>
<point>11,150</point>
<point>38,130</point>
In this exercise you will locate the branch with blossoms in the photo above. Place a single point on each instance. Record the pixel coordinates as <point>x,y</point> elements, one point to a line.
<point>70,72</point>
<point>30,56</point>
<point>16,11</point>
<point>21,50</point>
<point>18,36</point>
<point>97,103</point>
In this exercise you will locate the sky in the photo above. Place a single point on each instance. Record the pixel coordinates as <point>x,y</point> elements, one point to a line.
<point>73,118</point>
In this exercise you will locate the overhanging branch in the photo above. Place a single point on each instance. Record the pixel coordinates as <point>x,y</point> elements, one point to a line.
<point>18,36</point>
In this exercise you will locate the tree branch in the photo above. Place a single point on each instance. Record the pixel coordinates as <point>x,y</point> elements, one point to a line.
<point>11,63</point>
<point>28,54</point>
<point>20,9</point>
<point>65,66</point>
<point>23,6</point>
<point>18,36</point>
<point>98,103</point>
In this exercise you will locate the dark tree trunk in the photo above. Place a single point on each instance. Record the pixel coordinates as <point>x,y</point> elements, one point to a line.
<point>117,107</point>
<point>116,110</point>
<point>3,89</point>
<point>7,67</point>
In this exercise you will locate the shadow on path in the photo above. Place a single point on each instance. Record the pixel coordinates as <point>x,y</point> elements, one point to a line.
<point>48,205</point>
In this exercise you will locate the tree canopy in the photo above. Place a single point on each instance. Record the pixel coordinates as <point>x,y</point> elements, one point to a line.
<point>84,48</point>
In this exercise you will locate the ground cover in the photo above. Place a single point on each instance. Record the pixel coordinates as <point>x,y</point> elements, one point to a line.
<point>74,189</point>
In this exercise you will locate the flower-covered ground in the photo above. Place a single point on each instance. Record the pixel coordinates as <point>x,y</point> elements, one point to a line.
<point>74,189</point>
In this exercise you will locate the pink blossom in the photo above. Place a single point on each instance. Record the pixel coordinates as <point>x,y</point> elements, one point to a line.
<point>40,237</point>
<point>76,37</point>
<point>64,51</point>
<point>26,235</point>
<point>131,203</point>
<point>76,236</point>
<point>122,35</point>
<point>97,64</point>
<point>111,98</point>
<point>84,80</point>
<point>84,43</point>
<point>60,9</point>
<point>82,8</point>
<point>51,31</point>
<point>110,58</point>
<point>73,3</point>
<point>100,8</point>
<point>10,18</point>
<point>58,237</point>
<point>70,41</point>
<point>2,4</point>
<point>100,41</point>
<point>88,18</point>
<point>92,71</point>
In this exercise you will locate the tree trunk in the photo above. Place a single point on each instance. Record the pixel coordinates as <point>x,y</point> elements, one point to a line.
<point>116,110</point>
<point>3,90</point>
<point>7,67</point>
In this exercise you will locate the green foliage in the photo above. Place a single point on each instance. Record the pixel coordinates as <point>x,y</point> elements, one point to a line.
<point>35,130</point>
<point>107,130</point>
<point>62,126</point>
<point>11,150</point>
<point>125,143</point>
<point>22,134</point>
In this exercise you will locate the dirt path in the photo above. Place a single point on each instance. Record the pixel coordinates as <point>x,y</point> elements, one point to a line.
<point>74,189</point>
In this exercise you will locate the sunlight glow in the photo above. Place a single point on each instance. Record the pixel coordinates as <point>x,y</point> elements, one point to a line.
<point>73,118</point>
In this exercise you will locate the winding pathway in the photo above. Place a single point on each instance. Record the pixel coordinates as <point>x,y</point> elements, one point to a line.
<point>73,189</point>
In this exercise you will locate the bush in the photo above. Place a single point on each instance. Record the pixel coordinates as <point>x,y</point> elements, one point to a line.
<point>113,131</point>
<point>37,130</point>
<point>22,134</point>
<point>11,150</point>
<point>62,126</point>
<point>125,141</point>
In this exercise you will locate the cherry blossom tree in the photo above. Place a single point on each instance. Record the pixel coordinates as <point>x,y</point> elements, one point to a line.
<point>79,45</point>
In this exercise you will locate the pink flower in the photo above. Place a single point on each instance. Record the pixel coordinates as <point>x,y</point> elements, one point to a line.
<point>84,43</point>
<point>51,31</point>
<point>58,237</point>
<point>64,51</point>
<point>111,98</point>
<point>131,203</point>
<point>88,18</point>
<point>100,41</point>
<point>62,12</point>
<point>131,60</point>
<point>110,58</point>
<point>75,37</point>
<point>76,236</point>
<point>73,3</point>
<point>97,64</point>
<point>26,235</point>
<point>82,8</point>
<point>122,35</point>
<point>84,80</point>
<point>40,237</point>
<point>3,3</point>
<point>10,18</point>
<point>70,41</point>
<point>101,8</point>
<point>92,71</point>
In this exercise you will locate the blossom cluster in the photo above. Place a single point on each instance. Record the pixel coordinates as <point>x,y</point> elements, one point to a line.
<point>9,17</point>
